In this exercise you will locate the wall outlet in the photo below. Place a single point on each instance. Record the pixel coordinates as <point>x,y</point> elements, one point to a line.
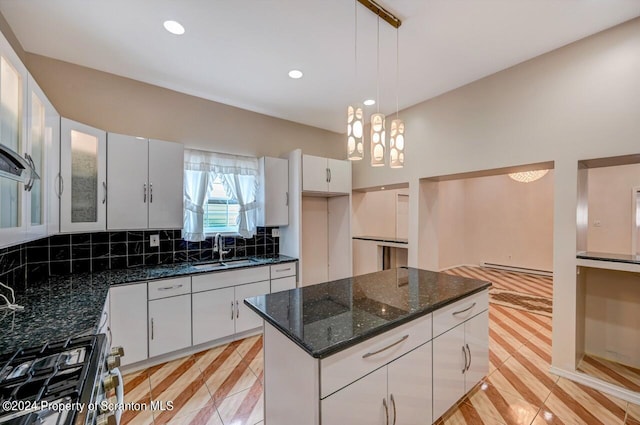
<point>154,240</point>
<point>275,233</point>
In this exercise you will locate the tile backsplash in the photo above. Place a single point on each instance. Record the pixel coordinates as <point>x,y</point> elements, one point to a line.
<point>92,252</point>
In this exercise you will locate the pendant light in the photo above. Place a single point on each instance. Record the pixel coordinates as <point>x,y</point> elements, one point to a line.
<point>355,116</point>
<point>377,119</point>
<point>396,139</point>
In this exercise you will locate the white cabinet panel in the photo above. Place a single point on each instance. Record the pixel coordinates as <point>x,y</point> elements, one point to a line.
<point>409,383</point>
<point>283,270</point>
<point>169,324</point>
<point>213,314</point>
<point>245,318</point>
<point>360,403</point>
<point>454,314</point>
<point>273,196</point>
<point>476,335</point>
<point>128,318</point>
<point>315,177</point>
<point>339,176</point>
<point>127,182</point>
<point>448,369</point>
<point>169,287</point>
<point>283,284</point>
<point>83,167</point>
<point>166,174</point>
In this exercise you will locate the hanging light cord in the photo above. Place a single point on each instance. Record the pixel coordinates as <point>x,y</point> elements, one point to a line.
<point>378,67</point>
<point>397,70</point>
<point>355,38</point>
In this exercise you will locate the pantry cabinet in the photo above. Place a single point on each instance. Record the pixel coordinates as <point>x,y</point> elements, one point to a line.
<point>325,175</point>
<point>144,178</point>
<point>83,183</point>
<point>273,196</point>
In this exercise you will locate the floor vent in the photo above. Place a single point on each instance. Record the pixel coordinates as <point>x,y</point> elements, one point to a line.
<point>517,269</point>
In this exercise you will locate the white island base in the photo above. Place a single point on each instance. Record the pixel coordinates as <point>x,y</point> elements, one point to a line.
<point>408,375</point>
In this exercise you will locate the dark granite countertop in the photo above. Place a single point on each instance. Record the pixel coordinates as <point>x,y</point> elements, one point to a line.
<point>381,239</point>
<point>65,306</point>
<point>329,317</point>
<point>607,256</point>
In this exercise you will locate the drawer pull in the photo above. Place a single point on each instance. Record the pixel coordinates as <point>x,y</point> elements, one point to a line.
<point>465,310</point>
<point>385,348</point>
<point>283,270</point>
<point>166,288</point>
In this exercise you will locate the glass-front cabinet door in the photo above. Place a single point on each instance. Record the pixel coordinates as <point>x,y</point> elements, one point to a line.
<point>13,135</point>
<point>83,171</point>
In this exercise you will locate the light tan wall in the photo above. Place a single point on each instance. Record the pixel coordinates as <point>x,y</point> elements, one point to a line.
<point>127,106</point>
<point>374,213</point>
<point>452,237</point>
<point>314,240</point>
<point>610,203</point>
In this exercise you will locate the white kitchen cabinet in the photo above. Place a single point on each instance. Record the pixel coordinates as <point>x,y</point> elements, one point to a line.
<point>144,178</point>
<point>325,175</point>
<point>283,284</point>
<point>460,361</point>
<point>273,196</point>
<point>403,386</point>
<point>128,320</point>
<point>245,318</point>
<point>83,169</point>
<point>169,324</point>
<point>213,314</point>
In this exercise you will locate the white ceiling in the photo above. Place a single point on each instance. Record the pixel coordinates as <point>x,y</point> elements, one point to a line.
<point>238,52</point>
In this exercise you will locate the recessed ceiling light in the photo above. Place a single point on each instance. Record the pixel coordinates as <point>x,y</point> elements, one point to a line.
<point>295,74</point>
<point>382,188</point>
<point>174,27</point>
<point>369,102</point>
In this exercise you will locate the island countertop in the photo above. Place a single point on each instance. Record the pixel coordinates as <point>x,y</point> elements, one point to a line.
<point>329,317</point>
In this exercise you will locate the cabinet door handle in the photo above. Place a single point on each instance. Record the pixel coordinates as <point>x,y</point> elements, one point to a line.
<point>393,402</point>
<point>152,328</point>
<point>58,186</point>
<point>329,169</point>
<point>468,351</point>
<point>61,185</point>
<point>373,353</point>
<point>465,310</point>
<point>326,177</point>
<point>144,196</point>
<point>104,198</point>
<point>166,288</point>
<point>237,310</point>
<point>231,310</point>
<point>287,199</point>
<point>464,352</point>
<point>151,193</point>
<point>386,410</point>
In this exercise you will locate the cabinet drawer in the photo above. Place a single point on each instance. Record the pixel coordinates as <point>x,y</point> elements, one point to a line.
<point>283,270</point>
<point>169,288</point>
<point>452,315</point>
<point>342,368</point>
<point>207,282</point>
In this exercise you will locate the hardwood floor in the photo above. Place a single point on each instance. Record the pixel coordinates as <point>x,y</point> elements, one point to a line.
<point>222,386</point>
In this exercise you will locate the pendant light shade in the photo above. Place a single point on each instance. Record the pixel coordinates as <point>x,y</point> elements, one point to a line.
<point>396,144</point>
<point>355,129</point>
<point>377,140</point>
<point>528,176</point>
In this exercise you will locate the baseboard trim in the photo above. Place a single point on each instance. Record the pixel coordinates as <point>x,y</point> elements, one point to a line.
<point>597,384</point>
<point>516,269</point>
<point>458,265</point>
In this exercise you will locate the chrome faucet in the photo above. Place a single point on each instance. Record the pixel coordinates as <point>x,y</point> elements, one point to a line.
<point>218,246</point>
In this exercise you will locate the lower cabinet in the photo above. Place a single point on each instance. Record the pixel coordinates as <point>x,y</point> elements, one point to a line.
<point>128,321</point>
<point>245,318</point>
<point>460,361</point>
<point>398,393</point>
<point>169,324</point>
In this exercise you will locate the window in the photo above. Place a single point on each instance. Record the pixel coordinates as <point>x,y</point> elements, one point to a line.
<point>221,211</point>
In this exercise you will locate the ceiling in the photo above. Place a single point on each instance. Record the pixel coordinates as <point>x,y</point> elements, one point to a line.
<point>239,52</point>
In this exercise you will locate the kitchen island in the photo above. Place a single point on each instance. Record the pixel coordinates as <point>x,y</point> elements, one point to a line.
<point>396,346</point>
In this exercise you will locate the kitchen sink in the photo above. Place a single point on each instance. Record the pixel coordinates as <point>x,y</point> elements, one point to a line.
<point>218,265</point>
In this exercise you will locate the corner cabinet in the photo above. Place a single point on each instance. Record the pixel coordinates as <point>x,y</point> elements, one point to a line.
<point>145,180</point>
<point>325,175</point>
<point>83,183</point>
<point>273,196</point>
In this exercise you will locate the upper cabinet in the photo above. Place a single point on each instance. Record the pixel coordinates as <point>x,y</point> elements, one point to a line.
<point>273,196</point>
<point>145,181</point>
<point>83,183</point>
<point>325,175</point>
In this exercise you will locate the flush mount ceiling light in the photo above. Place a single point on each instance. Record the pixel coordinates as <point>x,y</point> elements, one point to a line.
<point>174,27</point>
<point>295,74</point>
<point>528,176</point>
<point>369,102</point>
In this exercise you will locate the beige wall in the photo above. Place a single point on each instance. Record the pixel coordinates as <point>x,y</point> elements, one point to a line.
<point>374,213</point>
<point>610,204</point>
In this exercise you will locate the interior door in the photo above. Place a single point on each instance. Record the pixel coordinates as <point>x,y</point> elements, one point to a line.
<point>127,182</point>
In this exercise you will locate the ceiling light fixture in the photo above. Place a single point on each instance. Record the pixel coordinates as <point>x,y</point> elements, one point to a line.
<point>174,27</point>
<point>296,74</point>
<point>528,176</point>
<point>355,116</point>
<point>369,102</point>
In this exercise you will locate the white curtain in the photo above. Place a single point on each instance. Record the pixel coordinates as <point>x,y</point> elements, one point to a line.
<point>239,175</point>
